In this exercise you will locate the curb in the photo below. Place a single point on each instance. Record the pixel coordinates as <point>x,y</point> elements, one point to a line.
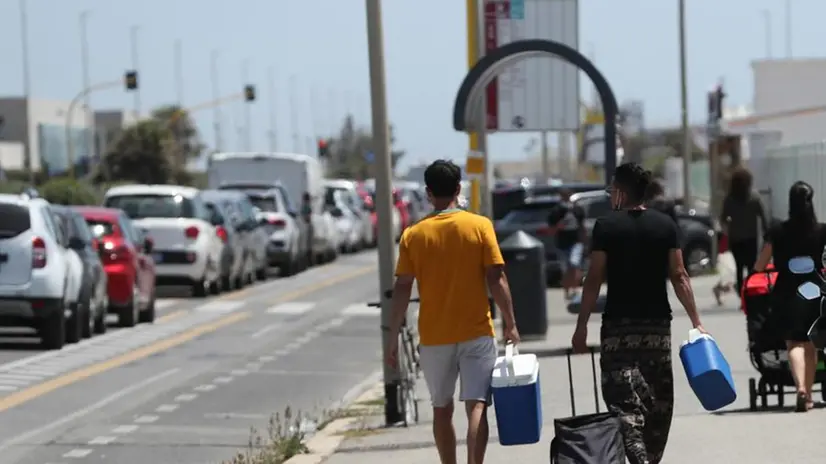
<point>326,441</point>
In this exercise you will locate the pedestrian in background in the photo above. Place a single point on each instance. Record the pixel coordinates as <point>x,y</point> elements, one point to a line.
<point>740,218</point>
<point>454,258</point>
<point>635,250</point>
<point>568,222</point>
<point>657,200</point>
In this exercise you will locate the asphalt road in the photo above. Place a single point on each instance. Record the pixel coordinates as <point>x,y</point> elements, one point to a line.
<point>187,389</point>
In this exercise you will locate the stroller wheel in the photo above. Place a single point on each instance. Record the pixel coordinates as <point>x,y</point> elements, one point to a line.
<point>753,394</point>
<point>823,391</point>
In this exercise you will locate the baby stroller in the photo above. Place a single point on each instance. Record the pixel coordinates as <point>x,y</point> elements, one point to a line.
<point>767,349</point>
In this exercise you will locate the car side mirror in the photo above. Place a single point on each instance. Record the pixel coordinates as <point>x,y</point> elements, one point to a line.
<point>76,243</point>
<point>293,213</point>
<point>216,220</point>
<point>148,245</point>
<point>336,212</point>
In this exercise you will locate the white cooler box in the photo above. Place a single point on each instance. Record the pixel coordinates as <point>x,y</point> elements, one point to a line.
<point>516,397</point>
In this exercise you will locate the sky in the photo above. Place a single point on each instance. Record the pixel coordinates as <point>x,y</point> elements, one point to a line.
<point>316,52</point>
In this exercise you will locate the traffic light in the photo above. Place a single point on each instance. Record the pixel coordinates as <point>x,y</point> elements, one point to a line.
<point>131,80</point>
<point>323,148</point>
<point>249,93</point>
<point>715,104</point>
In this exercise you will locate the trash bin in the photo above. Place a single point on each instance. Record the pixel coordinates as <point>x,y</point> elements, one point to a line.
<point>525,268</point>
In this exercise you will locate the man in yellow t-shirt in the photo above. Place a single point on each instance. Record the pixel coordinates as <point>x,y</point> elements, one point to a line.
<point>454,257</point>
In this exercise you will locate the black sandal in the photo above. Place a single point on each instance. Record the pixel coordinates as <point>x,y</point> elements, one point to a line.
<point>802,403</point>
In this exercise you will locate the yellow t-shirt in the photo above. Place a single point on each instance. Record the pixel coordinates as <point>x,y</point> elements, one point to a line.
<point>447,253</point>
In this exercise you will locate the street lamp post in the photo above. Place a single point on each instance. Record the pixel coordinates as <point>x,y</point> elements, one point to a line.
<point>27,81</point>
<point>381,150</point>
<point>687,140</point>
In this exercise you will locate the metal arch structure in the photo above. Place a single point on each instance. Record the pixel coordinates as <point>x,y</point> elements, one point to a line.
<point>467,105</point>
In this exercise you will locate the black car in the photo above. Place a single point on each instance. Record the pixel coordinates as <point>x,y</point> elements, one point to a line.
<point>93,301</point>
<point>697,234</point>
<point>508,198</point>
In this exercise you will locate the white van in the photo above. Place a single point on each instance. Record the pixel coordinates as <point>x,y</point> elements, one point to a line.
<point>298,174</point>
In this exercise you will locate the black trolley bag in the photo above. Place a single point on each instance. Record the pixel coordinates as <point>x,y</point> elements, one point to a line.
<point>590,438</point>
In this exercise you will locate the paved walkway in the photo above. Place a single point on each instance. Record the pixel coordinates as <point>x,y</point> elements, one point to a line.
<point>734,435</point>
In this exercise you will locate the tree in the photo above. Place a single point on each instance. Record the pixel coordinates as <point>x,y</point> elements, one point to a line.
<point>140,154</point>
<point>351,148</point>
<point>183,130</point>
<point>66,191</point>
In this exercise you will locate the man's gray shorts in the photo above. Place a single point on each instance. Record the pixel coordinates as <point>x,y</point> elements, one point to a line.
<point>471,361</point>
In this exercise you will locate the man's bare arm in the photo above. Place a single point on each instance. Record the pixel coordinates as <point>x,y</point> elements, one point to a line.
<point>402,289</point>
<point>681,282</point>
<point>590,289</point>
<point>501,292</point>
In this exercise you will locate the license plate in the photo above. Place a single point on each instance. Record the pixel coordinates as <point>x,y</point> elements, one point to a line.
<point>157,257</point>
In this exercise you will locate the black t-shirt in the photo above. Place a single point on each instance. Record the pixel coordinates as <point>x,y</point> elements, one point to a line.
<point>570,219</point>
<point>789,242</point>
<point>637,244</point>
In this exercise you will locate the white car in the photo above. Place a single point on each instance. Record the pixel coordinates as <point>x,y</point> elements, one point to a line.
<point>187,246</point>
<point>361,214</point>
<point>39,277</point>
<point>347,225</point>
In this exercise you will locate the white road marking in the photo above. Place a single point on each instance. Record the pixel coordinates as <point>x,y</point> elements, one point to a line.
<point>78,453</point>
<point>293,346</point>
<point>166,408</point>
<point>220,306</point>
<point>360,309</point>
<point>163,304</point>
<point>186,397</point>
<point>226,379</point>
<point>147,419</point>
<point>204,388</point>
<point>264,330</point>
<point>281,352</point>
<point>102,440</point>
<point>24,437</point>
<point>122,429</point>
<point>307,337</point>
<point>266,358</point>
<point>239,372</point>
<point>253,366</point>
<point>7,388</point>
<point>291,308</point>
<point>337,322</point>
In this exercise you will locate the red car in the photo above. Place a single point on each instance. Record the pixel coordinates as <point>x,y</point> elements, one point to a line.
<point>367,198</point>
<point>403,206</point>
<point>125,253</point>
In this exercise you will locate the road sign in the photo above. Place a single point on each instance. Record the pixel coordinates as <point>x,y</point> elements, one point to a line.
<point>537,94</point>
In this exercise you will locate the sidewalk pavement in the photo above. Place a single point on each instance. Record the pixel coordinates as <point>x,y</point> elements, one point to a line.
<point>734,434</point>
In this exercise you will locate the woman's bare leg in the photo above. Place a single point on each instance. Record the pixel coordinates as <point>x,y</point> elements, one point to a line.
<point>797,365</point>
<point>811,368</point>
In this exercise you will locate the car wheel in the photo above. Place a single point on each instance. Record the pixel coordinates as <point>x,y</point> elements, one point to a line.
<point>128,316</point>
<point>261,273</point>
<point>53,330</point>
<point>100,320</point>
<point>200,288</point>
<point>148,315</point>
<point>89,319</point>
<point>74,324</point>
<point>697,259</point>
<point>227,282</point>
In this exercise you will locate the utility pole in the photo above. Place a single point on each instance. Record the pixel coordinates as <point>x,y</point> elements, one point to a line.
<point>88,117</point>
<point>27,81</point>
<point>294,115</point>
<point>273,132</point>
<point>179,72</point>
<point>247,131</point>
<point>393,411</point>
<point>767,25</point>
<point>216,115</point>
<point>687,139</point>
<point>479,188</point>
<point>788,29</point>
<point>133,36</point>
<point>546,163</point>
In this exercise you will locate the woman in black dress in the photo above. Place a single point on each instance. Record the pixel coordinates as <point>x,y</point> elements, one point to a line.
<point>800,235</point>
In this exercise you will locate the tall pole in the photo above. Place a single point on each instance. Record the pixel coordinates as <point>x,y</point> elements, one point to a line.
<point>179,72</point>
<point>133,36</point>
<point>273,132</point>
<point>687,140</point>
<point>88,130</point>
<point>767,25</point>
<point>546,164</point>
<point>27,81</point>
<point>247,131</point>
<point>788,29</point>
<point>294,115</point>
<point>381,150</point>
<point>479,193</point>
<point>314,110</point>
<point>216,94</point>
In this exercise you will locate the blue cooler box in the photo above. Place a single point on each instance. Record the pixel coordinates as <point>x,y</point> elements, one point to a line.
<point>516,397</point>
<point>707,371</point>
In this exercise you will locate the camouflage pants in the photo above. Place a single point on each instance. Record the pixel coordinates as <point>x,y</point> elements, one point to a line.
<point>637,384</point>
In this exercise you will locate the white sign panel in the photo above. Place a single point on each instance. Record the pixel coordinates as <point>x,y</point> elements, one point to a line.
<point>536,94</point>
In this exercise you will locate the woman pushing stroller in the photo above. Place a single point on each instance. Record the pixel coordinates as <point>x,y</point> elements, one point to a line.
<point>800,235</point>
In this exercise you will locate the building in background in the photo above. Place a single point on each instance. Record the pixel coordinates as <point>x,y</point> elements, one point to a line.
<point>108,126</point>
<point>40,128</point>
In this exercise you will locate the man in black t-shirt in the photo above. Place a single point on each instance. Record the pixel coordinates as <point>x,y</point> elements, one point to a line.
<point>635,250</point>
<point>568,222</point>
